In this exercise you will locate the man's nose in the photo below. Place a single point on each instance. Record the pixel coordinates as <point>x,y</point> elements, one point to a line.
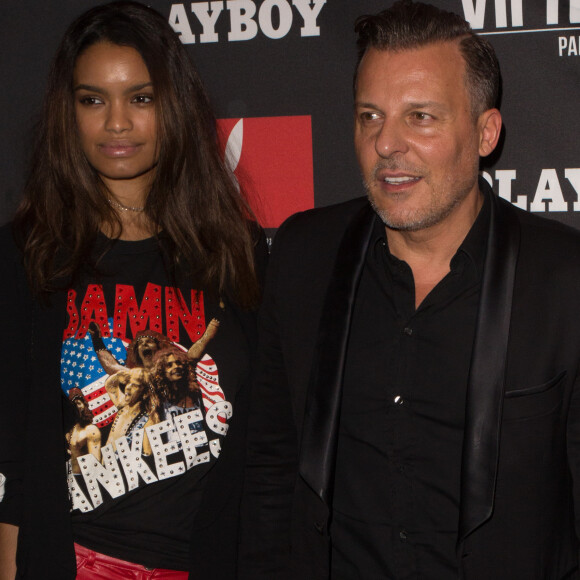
<point>391,139</point>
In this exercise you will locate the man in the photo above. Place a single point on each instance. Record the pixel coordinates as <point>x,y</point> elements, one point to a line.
<point>143,348</point>
<point>415,409</point>
<point>115,387</point>
<point>140,409</point>
<point>84,437</point>
<point>174,379</point>
<point>175,373</point>
<point>140,351</point>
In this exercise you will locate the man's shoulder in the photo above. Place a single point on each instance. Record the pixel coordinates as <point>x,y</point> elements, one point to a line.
<point>328,221</point>
<point>547,232</point>
<point>548,249</point>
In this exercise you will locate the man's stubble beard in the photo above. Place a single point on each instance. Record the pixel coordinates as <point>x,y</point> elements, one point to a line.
<point>432,215</point>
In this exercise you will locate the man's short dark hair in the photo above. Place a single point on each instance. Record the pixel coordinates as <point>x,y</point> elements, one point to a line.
<point>407,25</point>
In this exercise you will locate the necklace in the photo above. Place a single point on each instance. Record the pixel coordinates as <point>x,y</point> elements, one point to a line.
<point>119,205</point>
<point>134,416</point>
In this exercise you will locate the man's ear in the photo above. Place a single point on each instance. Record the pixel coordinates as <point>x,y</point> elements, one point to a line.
<point>489,126</point>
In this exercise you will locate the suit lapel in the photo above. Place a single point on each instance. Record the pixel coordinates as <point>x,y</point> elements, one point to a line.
<point>319,433</point>
<point>488,363</point>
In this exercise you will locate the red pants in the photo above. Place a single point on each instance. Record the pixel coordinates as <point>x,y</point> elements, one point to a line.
<point>94,566</point>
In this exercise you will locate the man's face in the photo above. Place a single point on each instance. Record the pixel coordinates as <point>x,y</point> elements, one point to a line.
<point>415,137</point>
<point>174,368</point>
<point>83,409</point>
<point>134,389</point>
<point>146,349</point>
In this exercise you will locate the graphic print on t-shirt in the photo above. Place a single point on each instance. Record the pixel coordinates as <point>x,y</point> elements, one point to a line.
<point>148,409</point>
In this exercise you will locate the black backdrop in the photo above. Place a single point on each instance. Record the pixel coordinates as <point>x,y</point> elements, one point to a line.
<point>285,68</point>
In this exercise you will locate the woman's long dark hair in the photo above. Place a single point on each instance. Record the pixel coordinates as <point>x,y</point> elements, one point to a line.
<point>206,223</point>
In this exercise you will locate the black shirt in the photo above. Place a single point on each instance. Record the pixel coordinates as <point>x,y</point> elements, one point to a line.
<point>396,493</point>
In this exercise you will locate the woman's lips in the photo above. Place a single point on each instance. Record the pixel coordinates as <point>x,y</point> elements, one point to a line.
<point>119,149</point>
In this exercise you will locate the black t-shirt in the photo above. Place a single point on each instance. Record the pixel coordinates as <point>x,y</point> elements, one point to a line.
<point>151,413</point>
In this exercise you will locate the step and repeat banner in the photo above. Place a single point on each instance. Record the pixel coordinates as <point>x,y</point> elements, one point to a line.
<point>279,73</point>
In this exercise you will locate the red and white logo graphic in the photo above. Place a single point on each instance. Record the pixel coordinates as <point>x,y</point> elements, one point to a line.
<point>271,158</point>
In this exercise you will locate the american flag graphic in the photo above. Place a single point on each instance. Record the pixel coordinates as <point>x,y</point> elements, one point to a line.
<point>207,378</point>
<point>80,367</point>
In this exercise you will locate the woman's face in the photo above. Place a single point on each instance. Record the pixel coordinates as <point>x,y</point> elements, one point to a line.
<point>115,114</point>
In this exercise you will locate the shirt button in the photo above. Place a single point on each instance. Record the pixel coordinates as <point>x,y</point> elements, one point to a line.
<point>408,331</point>
<point>403,535</point>
<point>398,400</point>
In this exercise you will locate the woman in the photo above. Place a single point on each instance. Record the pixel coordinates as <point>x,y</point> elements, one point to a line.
<point>131,226</point>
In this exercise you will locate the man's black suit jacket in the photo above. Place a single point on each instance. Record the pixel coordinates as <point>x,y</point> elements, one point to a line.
<point>521,457</point>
